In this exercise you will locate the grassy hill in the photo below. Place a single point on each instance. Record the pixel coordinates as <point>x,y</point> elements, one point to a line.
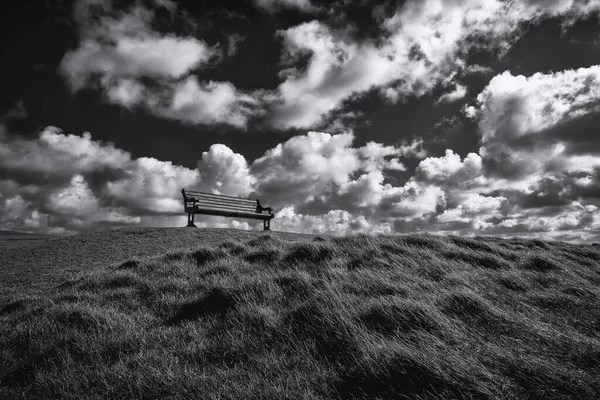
<point>225,314</point>
<point>12,239</point>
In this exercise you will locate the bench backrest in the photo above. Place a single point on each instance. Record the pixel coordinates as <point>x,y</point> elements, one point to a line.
<point>211,201</point>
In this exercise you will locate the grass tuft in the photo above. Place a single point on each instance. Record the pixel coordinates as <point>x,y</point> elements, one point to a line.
<point>129,264</point>
<point>12,307</point>
<point>399,317</point>
<point>329,335</point>
<point>309,253</point>
<point>539,263</point>
<point>465,305</point>
<point>218,302</point>
<point>263,256</point>
<point>206,255</point>
<point>398,375</point>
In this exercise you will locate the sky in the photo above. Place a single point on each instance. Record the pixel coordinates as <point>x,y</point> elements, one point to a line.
<point>464,117</point>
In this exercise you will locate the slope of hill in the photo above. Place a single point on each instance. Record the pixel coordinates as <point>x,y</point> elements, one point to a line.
<point>12,239</point>
<point>176,313</point>
<point>38,265</point>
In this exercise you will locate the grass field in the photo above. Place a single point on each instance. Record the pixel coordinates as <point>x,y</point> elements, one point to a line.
<point>225,314</point>
<point>10,239</point>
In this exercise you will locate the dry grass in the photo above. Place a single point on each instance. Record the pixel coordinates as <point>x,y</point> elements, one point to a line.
<point>259,315</point>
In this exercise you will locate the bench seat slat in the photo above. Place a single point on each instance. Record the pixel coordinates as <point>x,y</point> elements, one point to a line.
<point>231,203</point>
<point>240,201</point>
<point>226,201</point>
<point>219,207</point>
<point>218,197</point>
<point>215,205</point>
<point>251,206</point>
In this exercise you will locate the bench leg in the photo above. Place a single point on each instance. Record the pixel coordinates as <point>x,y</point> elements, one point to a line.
<point>191,220</point>
<point>267,224</point>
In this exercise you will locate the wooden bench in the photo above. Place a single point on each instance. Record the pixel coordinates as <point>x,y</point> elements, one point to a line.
<point>225,206</point>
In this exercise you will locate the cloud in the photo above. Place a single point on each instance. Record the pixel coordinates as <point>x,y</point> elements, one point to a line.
<point>225,172</point>
<point>233,42</point>
<point>126,92</point>
<point>538,133</point>
<point>209,103</point>
<point>475,209</point>
<point>514,106</point>
<point>458,93</point>
<point>318,167</point>
<point>157,182</point>
<point>53,158</point>
<point>136,66</point>
<point>276,5</point>
<point>537,171</point>
<point>80,206</point>
<point>17,213</point>
<point>304,166</point>
<point>527,123</point>
<point>146,56</point>
<point>79,183</point>
<point>424,44</point>
<point>521,112</point>
<point>451,168</point>
<point>337,68</point>
<point>337,222</point>
<point>124,45</point>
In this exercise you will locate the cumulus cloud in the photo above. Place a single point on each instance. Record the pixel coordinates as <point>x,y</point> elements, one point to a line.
<point>337,68</point>
<point>18,213</point>
<point>513,106</point>
<point>318,182</point>
<point>424,44</point>
<point>134,65</point>
<point>319,168</point>
<point>532,132</point>
<point>80,182</point>
<point>225,172</point>
<point>536,174</point>
<point>125,45</point>
<point>337,222</point>
<point>452,168</point>
<point>209,103</point>
<point>537,171</point>
<point>531,128</point>
<point>149,56</point>
<point>475,209</point>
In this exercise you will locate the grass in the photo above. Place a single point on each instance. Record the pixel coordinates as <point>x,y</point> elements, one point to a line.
<point>227,314</point>
<point>11,239</point>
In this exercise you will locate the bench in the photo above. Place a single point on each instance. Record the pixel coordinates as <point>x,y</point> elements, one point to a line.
<point>224,206</point>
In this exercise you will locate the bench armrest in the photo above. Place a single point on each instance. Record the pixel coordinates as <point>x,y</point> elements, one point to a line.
<point>187,201</point>
<point>260,208</point>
